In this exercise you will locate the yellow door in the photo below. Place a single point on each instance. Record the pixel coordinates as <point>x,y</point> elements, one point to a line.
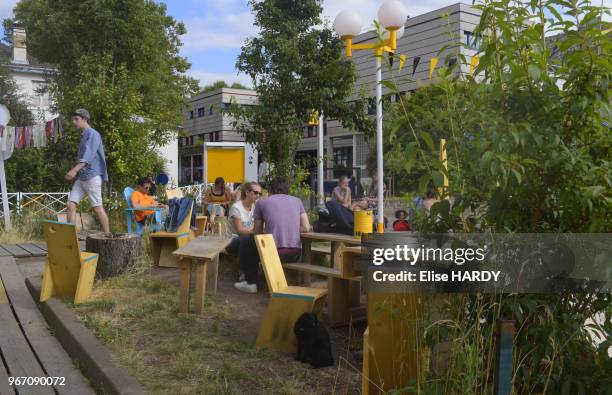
<point>225,162</point>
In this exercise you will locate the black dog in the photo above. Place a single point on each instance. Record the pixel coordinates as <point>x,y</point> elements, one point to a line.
<point>314,345</point>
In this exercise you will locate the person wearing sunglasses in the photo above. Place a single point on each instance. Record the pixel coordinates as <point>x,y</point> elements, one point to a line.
<point>142,200</point>
<point>241,218</point>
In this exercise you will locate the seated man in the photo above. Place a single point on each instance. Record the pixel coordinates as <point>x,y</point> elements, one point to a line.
<point>284,217</point>
<point>142,200</point>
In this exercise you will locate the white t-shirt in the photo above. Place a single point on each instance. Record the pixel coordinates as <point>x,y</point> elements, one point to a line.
<point>246,216</point>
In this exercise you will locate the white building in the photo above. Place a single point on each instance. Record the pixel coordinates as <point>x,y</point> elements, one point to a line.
<point>30,76</point>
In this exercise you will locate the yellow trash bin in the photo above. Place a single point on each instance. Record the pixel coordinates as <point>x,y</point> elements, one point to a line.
<point>363,223</point>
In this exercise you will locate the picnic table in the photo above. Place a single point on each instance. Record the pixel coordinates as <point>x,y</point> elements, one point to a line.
<point>343,276</point>
<point>336,240</point>
<point>203,253</point>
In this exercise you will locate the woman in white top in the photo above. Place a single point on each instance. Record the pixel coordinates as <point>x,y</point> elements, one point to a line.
<point>342,193</point>
<point>241,217</point>
<point>241,212</point>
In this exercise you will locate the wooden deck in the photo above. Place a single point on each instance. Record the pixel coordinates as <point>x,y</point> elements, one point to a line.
<point>23,250</point>
<point>27,347</point>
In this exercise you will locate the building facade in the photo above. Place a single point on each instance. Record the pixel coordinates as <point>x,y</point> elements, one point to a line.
<point>450,28</point>
<point>30,75</point>
<point>205,121</point>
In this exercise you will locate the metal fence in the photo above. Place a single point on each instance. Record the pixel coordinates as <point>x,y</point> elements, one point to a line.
<point>36,203</point>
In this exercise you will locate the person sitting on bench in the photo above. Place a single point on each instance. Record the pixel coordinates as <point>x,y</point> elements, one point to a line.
<point>284,217</point>
<point>342,193</point>
<point>217,198</point>
<point>241,220</point>
<point>142,200</point>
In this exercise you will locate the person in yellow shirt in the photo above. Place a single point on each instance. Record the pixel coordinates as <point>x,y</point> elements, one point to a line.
<point>142,200</point>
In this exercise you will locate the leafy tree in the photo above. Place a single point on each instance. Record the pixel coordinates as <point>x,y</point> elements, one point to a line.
<point>118,59</point>
<point>296,66</point>
<point>528,152</point>
<point>222,84</point>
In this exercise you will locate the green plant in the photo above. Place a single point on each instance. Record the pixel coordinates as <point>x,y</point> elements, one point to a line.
<point>528,151</point>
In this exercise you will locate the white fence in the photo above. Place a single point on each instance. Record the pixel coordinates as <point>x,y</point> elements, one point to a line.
<point>200,189</point>
<point>36,203</point>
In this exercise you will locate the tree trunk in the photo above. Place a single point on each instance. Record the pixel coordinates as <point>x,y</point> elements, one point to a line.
<point>117,252</point>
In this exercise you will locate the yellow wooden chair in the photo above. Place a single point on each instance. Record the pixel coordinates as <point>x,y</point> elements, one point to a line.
<point>68,272</point>
<point>163,244</point>
<point>287,303</point>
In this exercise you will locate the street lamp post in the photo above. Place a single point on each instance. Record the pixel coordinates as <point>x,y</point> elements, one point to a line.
<point>391,16</point>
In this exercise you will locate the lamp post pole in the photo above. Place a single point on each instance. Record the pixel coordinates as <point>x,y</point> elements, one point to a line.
<point>380,228</point>
<point>392,17</point>
<point>320,175</point>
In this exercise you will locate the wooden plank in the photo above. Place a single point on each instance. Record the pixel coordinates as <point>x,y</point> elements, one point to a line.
<point>200,291</point>
<point>3,297</point>
<point>16,251</point>
<point>17,354</point>
<point>4,386</point>
<point>4,252</point>
<point>185,267</point>
<point>203,248</point>
<point>313,269</point>
<point>33,249</point>
<point>50,353</point>
<point>42,246</point>
<point>337,237</point>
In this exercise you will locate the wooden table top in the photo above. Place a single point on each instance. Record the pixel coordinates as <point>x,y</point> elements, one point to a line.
<point>337,237</point>
<point>203,247</point>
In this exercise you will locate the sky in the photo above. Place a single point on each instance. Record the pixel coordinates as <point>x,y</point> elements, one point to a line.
<point>216,29</point>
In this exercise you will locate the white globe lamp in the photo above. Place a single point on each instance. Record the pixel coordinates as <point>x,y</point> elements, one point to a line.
<point>348,24</point>
<point>392,16</point>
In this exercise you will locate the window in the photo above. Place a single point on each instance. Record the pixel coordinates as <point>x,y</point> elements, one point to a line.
<point>310,131</point>
<point>343,157</point>
<point>201,111</point>
<point>191,114</point>
<point>472,40</point>
<point>372,106</point>
<point>210,110</point>
<point>217,136</point>
<point>226,106</point>
<point>41,94</point>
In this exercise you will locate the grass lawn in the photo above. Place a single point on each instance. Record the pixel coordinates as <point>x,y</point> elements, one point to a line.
<point>136,316</point>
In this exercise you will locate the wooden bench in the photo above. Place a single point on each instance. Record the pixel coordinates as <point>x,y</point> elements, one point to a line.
<point>27,346</point>
<point>342,284</point>
<point>163,244</point>
<point>286,304</point>
<point>68,271</point>
<point>203,253</point>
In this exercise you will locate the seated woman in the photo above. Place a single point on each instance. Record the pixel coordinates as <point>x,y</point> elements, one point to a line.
<point>342,193</point>
<point>241,219</point>
<point>142,200</point>
<point>217,198</point>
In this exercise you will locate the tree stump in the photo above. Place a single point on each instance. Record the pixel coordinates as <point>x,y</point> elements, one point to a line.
<point>117,252</point>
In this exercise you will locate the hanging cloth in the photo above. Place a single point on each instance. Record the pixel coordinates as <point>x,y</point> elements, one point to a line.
<point>38,135</point>
<point>8,143</point>
<point>49,129</point>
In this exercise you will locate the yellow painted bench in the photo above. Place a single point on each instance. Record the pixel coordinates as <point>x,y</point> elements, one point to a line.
<point>163,244</point>
<point>68,271</point>
<point>286,304</point>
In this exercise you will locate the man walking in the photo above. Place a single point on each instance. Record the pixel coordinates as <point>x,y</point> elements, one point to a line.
<point>89,172</point>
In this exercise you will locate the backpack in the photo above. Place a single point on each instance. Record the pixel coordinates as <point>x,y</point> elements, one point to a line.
<point>314,344</point>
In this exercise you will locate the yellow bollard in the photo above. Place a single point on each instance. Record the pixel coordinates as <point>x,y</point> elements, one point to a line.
<point>363,223</point>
